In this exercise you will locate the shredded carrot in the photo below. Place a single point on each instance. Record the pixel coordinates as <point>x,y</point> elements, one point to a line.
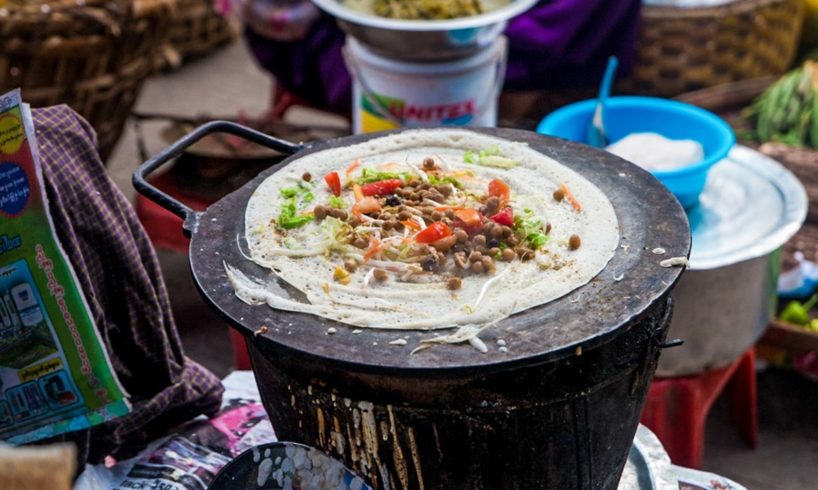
<point>359,194</point>
<point>411,224</point>
<point>446,208</point>
<point>573,200</point>
<point>375,247</point>
<point>352,167</point>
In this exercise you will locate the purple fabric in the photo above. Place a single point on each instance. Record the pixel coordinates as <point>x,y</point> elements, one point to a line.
<point>119,274</point>
<point>556,44</point>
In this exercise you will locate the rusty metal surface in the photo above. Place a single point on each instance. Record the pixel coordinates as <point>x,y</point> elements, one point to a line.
<point>649,217</point>
<point>564,424</point>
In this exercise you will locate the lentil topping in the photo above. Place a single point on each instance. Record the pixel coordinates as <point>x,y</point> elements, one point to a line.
<point>425,218</point>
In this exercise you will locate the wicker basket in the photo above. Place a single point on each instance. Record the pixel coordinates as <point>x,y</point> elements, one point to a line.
<point>198,29</point>
<point>683,49</point>
<point>92,55</point>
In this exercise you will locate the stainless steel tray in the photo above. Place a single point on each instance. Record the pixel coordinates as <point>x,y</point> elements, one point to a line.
<point>648,466</point>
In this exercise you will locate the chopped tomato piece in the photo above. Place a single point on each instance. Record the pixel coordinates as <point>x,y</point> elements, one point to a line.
<point>504,217</point>
<point>471,230</point>
<point>433,233</point>
<point>334,182</point>
<point>366,205</point>
<point>469,217</point>
<point>499,189</point>
<point>381,187</point>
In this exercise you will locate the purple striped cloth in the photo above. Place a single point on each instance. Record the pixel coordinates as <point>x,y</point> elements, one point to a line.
<point>557,44</point>
<point>119,274</point>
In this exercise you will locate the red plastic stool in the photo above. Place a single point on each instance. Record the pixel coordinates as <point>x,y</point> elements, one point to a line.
<point>677,408</point>
<point>165,231</point>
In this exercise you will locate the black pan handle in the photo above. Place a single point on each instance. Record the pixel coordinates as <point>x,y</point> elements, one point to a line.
<point>175,206</point>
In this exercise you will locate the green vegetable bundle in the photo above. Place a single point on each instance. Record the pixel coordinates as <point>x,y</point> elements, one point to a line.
<point>787,112</point>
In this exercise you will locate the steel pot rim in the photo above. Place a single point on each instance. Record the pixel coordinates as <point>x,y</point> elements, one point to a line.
<point>371,21</point>
<point>795,207</point>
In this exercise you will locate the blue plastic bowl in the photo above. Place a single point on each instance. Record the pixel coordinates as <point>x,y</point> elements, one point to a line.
<point>670,118</point>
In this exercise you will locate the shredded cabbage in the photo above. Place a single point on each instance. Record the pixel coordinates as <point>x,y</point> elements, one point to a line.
<point>530,227</point>
<point>336,234</point>
<point>490,157</point>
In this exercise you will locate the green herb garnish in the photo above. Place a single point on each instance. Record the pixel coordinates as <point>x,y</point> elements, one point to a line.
<point>435,180</point>
<point>301,188</point>
<point>288,218</point>
<point>337,203</point>
<point>369,175</point>
<point>290,191</point>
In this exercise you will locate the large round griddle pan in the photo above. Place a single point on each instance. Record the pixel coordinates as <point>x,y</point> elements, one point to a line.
<point>649,217</point>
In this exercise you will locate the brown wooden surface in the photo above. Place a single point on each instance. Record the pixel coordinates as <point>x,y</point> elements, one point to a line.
<point>790,337</point>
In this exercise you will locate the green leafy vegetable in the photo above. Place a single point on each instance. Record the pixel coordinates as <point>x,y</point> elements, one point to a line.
<point>490,157</point>
<point>308,197</point>
<point>492,151</point>
<point>530,227</point>
<point>787,112</point>
<point>288,218</point>
<point>301,188</point>
<point>369,175</point>
<point>337,202</point>
<point>290,191</point>
<point>436,180</point>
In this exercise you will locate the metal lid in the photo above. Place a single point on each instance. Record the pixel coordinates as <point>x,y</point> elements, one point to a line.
<point>750,206</point>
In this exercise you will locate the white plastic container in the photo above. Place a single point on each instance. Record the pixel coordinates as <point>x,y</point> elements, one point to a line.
<point>389,94</point>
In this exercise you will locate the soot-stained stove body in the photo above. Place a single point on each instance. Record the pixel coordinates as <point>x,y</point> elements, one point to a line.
<point>555,425</point>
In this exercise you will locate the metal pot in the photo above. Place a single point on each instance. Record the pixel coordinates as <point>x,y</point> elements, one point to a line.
<point>424,40</point>
<point>750,207</point>
<point>559,409</point>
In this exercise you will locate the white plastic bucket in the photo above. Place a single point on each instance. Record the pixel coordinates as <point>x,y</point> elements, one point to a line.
<point>389,94</point>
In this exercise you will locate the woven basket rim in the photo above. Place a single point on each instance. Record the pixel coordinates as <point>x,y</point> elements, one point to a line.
<point>9,13</point>
<point>733,8</point>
